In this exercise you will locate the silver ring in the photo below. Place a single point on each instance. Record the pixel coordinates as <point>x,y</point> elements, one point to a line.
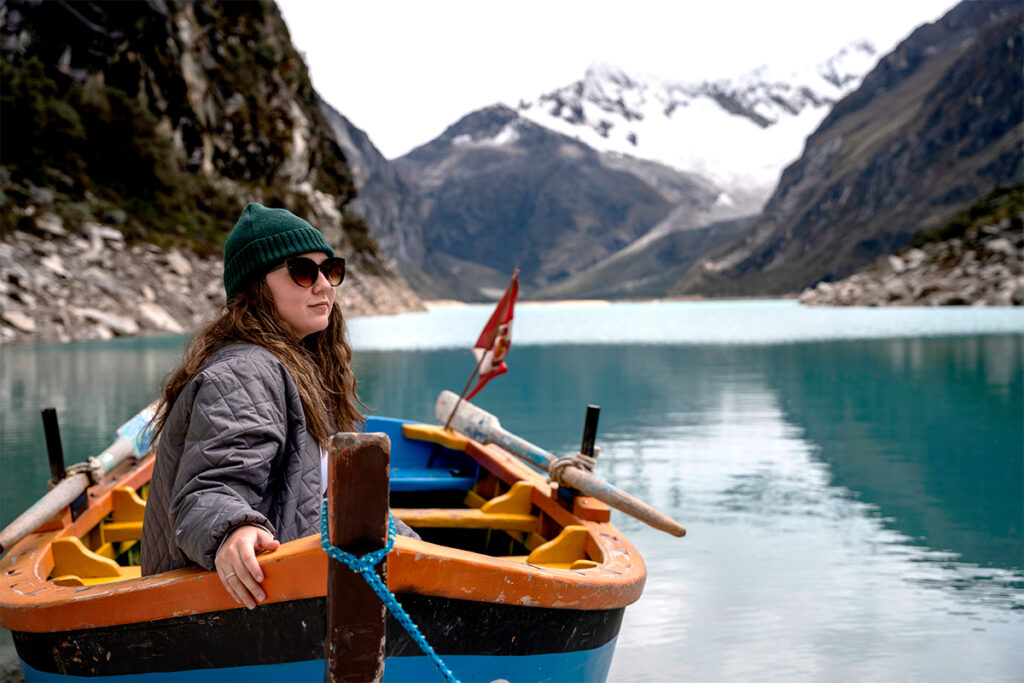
<point>229,576</point>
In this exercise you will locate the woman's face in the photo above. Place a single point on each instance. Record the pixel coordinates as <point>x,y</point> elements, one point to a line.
<point>304,309</point>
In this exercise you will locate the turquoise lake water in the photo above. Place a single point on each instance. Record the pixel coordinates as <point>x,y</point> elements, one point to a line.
<point>852,480</point>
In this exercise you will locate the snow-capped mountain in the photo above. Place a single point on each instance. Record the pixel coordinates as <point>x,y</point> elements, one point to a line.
<point>738,132</point>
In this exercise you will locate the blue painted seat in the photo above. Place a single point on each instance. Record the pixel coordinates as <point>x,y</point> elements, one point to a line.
<point>422,465</point>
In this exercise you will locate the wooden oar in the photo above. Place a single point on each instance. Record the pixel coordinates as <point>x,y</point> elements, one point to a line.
<point>478,424</point>
<point>132,439</point>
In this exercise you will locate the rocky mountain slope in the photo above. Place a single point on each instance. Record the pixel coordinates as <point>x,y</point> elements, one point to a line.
<point>977,259</point>
<point>389,209</point>
<point>158,121</point>
<point>934,127</point>
<point>651,265</point>
<point>497,191</point>
<point>739,132</point>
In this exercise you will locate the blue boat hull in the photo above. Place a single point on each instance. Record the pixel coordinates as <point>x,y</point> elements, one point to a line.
<point>584,666</point>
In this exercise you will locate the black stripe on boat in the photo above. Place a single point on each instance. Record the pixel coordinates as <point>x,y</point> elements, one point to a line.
<point>294,631</point>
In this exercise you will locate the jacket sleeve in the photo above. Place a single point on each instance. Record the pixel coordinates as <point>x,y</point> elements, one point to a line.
<point>237,430</point>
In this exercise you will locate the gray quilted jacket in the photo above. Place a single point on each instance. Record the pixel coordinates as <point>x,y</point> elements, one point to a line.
<point>234,451</point>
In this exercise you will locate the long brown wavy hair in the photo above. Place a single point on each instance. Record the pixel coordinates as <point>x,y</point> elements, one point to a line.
<point>320,365</point>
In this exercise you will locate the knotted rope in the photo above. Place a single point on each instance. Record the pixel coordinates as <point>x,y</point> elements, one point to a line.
<point>556,467</point>
<point>364,566</point>
<point>92,467</point>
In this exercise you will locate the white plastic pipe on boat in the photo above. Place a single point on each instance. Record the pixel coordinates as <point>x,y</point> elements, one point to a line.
<point>132,440</point>
<point>478,424</point>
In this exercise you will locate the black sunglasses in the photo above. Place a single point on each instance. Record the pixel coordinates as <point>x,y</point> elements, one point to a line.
<point>303,271</point>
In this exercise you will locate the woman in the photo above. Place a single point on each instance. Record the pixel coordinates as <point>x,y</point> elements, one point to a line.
<point>244,422</point>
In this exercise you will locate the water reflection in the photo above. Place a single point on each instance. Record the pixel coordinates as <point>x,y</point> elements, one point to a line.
<point>930,432</point>
<point>786,573</point>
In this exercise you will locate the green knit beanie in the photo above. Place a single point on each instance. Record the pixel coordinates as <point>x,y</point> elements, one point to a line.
<point>264,238</point>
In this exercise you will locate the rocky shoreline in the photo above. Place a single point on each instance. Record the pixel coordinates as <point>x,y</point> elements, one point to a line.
<point>62,286</point>
<point>985,268</point>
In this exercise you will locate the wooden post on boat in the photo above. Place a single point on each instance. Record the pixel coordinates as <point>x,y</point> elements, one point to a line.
<point>357,519</point>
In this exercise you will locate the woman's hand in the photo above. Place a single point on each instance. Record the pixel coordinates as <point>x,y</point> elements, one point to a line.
<point>237,566</point>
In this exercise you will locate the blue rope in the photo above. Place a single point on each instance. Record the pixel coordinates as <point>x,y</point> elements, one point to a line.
<point>364,566</point>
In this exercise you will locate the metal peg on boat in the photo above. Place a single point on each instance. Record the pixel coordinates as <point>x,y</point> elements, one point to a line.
<point>478,424</point>
<point>590,430</point>
<point>54,448</point>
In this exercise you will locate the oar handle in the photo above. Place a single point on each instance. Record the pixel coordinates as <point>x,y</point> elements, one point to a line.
<point>55,500</point>
<point>478,424</point>
<point>62,495</point>
<point>590,484</point>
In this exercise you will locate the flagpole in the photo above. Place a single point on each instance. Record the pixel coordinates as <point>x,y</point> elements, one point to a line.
<point>490,343</point>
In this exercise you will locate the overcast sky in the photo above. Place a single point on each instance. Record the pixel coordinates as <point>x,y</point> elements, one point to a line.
<point>404,71</point>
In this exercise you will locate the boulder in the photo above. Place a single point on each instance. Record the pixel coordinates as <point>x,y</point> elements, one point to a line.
<point>117,324</point>
<point>1017,295</point>
<point>51,224</point>
<point>896,289</point>
<point>99,235</point>
<point>994,272</point>
<point>178,263</point>
<point>19,321</point>
<point>1002,247</point>
<point>55,264</point>
<point>154,315</point>
<point>914,258</point>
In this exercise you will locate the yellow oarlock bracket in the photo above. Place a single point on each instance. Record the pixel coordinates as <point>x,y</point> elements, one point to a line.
<point>128,512</point>
<point>568,550</point>
<point>76,565</point>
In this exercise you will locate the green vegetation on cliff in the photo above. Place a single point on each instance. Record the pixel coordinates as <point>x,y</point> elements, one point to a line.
<point>101,156</point>
<point>161,119</point>
<point>998,205</point>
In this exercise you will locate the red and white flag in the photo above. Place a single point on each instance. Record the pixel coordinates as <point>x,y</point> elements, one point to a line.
<point>492,346</point>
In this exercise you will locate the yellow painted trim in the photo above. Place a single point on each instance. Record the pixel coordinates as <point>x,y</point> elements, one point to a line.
<point>70,580</point>
<point>577,565</point>
<point>435,434</point>
<point>455,518</point>
<point>583,564</point>
<point>121,531</point>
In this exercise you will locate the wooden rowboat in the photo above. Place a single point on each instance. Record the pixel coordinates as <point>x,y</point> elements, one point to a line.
<point>511,581</point>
